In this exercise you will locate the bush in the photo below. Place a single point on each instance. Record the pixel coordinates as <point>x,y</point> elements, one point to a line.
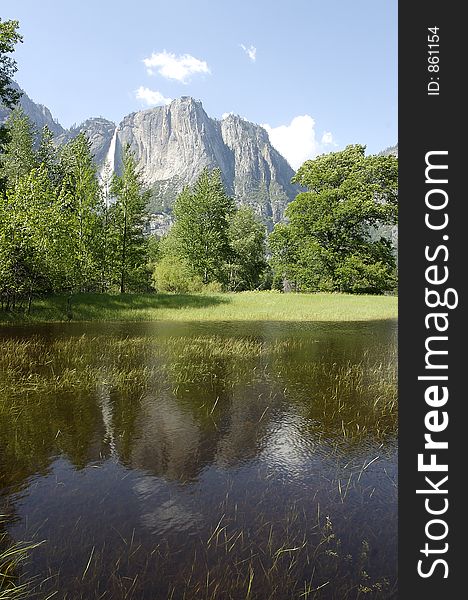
<point>214,287</point>
<point>173,274</point>
<point>358,277</point>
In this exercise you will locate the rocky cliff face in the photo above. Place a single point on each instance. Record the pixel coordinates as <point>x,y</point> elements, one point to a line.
<point>39,114</point>
<point>99,132</point>
<point>390,151</point>
<point>174,143</point>
<point>262,177</point>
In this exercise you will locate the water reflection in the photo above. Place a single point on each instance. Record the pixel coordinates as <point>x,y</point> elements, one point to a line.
<point>202,453</point>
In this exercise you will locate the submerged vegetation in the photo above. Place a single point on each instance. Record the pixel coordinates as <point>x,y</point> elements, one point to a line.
<point>358,397</point>
<point>253,533</point>
<point>12,556</point>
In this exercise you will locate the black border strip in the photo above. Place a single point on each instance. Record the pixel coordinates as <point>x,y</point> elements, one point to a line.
<point>431,123</point>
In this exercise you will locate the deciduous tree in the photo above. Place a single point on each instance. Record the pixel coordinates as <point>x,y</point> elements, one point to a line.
<point>327,243</point>
<point>201,230</point>
<point>247,239</point>
<point>82,201</point>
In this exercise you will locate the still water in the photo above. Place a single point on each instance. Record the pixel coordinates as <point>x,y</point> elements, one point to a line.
<point>201,461</point>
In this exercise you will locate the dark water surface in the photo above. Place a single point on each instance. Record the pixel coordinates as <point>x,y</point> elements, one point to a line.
<point>210,460</point>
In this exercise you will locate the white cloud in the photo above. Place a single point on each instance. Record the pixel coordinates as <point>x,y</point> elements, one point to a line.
<point>327,139</point>
<point>170,66</point>
<point>151,97</point>
<point>297,142</point>
<point>251,52</point>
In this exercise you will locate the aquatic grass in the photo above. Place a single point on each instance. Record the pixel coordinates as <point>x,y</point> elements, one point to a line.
<point>282,559</point>
<point>13,556</point>
<point>355,399</point>
<point>247,548</point>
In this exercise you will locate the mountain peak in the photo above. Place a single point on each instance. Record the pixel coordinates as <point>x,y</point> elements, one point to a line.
<point>39,114</point>
<point>172,144</point>
<point>92,121</point>
<point>186,100</point>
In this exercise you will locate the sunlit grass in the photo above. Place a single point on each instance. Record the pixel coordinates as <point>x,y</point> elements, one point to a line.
<point>245,306</point>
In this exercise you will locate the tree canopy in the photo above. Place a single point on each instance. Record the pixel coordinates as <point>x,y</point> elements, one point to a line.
<point>247,236</point>
<point>9,37</point>
<point>126,225</point>
<point>59,230</point>
<point>200,234</point>
<point>330,241</point>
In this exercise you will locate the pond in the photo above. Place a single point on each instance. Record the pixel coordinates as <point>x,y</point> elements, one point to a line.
<point>201,461</point>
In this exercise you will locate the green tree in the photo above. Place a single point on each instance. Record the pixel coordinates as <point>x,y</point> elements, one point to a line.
<point>19,156</point>
<point>327,243</point>
<point>9,96</point>
<point>127,215</point>
<point>33,239</point>
<point>200,234</point>
<point>81,199</point>
<point>247,239</point>
<point>154,249</point>
<point>283,248</point>
<point>48,156</point>
<point>173,274</point>
<point>9,37</point>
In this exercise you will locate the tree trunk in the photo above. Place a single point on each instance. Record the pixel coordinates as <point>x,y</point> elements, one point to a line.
<point>69,308</point>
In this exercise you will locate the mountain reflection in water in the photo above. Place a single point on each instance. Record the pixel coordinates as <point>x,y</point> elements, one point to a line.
<point>202,460</point>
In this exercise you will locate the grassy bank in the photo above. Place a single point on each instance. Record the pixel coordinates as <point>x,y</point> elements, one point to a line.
<point>245,306</point>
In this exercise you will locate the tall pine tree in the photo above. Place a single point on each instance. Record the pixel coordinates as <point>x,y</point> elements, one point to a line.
<point>127,216</point>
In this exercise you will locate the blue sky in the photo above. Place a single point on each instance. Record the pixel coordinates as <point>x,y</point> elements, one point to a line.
<point>333,63</point>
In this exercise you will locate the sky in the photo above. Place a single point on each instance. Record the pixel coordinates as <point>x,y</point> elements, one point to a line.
<point>318,74</point>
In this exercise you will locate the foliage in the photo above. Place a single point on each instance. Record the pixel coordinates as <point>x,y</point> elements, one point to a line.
<point>154,249</point>
<point>127,217</point>
<point>9,96</point>
<point>216,242</point>
<point>59,231</point>
<point>81,198</point>
<point>200,234</point>
<point>327,244</point>
<point>173,274</point>
<point>47,156</point>
<point>247,240</point>
<point>33,241</point>
<point>9,37</point>
<point>18,157</point>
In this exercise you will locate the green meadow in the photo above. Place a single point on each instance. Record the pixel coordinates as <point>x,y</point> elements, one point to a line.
<point>244,306</point>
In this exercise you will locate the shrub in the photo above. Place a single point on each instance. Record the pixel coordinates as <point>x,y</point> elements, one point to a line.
<point>173,274</point>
